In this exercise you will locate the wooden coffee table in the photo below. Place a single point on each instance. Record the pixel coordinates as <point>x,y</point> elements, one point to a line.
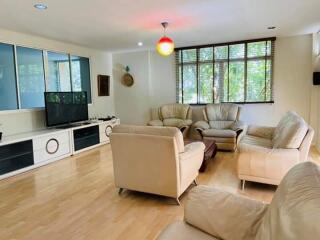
<point>210,151</point>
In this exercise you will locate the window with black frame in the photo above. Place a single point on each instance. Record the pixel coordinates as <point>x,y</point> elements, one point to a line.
<point>238,72</point>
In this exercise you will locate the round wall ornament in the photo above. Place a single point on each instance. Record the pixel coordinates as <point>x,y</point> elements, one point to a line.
<point>127,79</point>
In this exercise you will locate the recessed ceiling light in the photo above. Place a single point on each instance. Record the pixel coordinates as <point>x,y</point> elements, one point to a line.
<point>272,27</point>
<point>140,44</point>
<point>40,6</point>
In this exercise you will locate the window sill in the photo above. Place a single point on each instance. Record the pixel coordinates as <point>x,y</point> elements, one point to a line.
<point>21,111</point>
<point>240,103</point>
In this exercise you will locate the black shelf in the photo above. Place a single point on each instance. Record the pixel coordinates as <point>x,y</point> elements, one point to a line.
<point>16,156</point>
<point>86,137</point>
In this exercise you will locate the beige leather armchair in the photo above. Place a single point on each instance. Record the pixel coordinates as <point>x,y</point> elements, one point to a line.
<point>266,154</point>
<point>221,123</point>
<point>172,115</point>
<point>154,160</point>
<point>215,214</point>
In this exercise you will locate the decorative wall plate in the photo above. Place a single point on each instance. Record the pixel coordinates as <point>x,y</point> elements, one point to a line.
<point>127,80</point>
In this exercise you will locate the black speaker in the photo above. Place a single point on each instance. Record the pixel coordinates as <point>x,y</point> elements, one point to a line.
<point>316,78</point>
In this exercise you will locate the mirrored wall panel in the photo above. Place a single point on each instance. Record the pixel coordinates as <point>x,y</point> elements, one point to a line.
<point>8,87</point>
<point>26,73</point>
<point>80,69</point>
<point>31,77</point>
<point>58,72</point>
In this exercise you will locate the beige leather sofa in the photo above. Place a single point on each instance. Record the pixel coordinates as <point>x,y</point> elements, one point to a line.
<point>172,115</point>
<point>215,214</point>
<point>267,153</point>
<point>221,123</point>
<point>154,160</point>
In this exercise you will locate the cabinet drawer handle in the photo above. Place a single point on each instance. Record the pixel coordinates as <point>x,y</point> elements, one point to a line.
<point>47,146</point>
<point>106,130</point>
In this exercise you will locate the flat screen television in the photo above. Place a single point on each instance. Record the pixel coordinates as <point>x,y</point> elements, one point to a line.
<point>65,107</point>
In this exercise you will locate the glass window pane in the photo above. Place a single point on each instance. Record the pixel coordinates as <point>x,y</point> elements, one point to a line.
<point>189,83</point>
<point>189,55</point>
<point>236,51</point>
<point>236,81</point>
<point>206,82</point>
<point>206,54</point>
<point>80,68</point>
<point>8,93</point>
<point>59,72</point>
<point>221,81</point>
<point>257,49</point>
<point>256,81</point>
<point>221,52</point>
<point>31,77</point>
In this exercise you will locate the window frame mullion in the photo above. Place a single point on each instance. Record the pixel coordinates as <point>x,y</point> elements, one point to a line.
<point>70,68</point>
<point>265,71</point>
<point>15,56</point>
<point>228,94</point>
<point>245,71</point>
<point>213,75</point>
<point>198,75</point>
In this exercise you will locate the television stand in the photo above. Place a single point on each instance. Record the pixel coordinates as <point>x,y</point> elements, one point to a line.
<point>73,125</point>
<point>22,152</point>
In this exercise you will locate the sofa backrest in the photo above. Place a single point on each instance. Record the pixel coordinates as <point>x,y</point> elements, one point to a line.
<point>290,131</point>
<point>146,159</point>
<point>175,111</point>
<point>221,116</point>
<point>294,212</point>
<point>172,132</point>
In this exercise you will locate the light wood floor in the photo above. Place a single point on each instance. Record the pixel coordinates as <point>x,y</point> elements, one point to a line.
<point>75,199</point>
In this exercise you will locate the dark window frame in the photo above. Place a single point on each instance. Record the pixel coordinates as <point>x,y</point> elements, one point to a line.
<point>246,59</point>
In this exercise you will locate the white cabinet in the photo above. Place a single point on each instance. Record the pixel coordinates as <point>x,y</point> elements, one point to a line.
<point>51,146</point>
<point>105,129</point>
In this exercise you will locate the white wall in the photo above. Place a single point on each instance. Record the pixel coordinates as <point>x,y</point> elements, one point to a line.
<point>155,84</point>
<point>101,63</point>
<point>292,82</point>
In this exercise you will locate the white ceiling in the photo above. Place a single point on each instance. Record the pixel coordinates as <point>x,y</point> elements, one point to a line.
<point>118,25</point>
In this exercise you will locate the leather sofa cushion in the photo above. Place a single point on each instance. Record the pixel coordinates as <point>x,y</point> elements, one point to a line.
<point>182,231</point>
<point>294,211</point>
<point>222,112</point>
<point>221,133</point>
<point>290,131</point>
<point>175,122</point>
<point>221,124</point>
<point>256,141</point>
<point>179,111</point>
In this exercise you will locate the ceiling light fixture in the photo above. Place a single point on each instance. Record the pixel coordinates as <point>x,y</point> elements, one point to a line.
<point>165,45</point>
<point>40,6</point>
<point>272,27</point>
<point>140,44</point>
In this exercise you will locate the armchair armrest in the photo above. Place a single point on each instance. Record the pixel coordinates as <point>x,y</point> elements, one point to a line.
<point>193,150</point>
<point>155,123</point>
<point>240,128</point>
<point>203,125</point>
<point>261,131</point>
<point>185,123</point>
<point>238,125</point>
<point>222,214</point>
<point>200,126</point>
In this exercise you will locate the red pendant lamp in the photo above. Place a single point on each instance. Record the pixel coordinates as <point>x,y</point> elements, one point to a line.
<point>165,45</point>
